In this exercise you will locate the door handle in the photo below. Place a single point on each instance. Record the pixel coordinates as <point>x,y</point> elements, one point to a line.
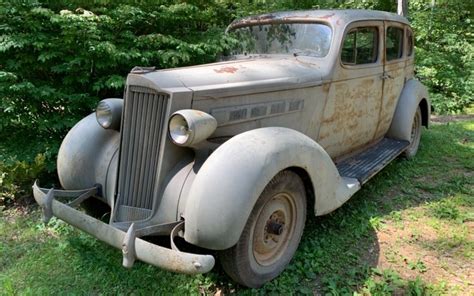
<point>386,76</point>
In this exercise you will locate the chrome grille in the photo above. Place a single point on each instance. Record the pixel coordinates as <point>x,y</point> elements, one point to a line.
<point>145,112</point>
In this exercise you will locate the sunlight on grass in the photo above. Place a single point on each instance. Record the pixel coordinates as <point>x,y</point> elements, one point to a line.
<point>424,205</point>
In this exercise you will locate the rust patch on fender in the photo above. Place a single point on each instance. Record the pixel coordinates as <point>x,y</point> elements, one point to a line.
<point>230,70</point>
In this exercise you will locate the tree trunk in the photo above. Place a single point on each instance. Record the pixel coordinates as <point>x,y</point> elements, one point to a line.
<point>402,8</point>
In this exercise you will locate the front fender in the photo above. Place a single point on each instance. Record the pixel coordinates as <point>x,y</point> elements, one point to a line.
<point>88,155</point>
<point>230,181</point>
<point>414,92</point>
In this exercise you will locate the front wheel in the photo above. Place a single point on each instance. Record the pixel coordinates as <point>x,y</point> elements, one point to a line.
<point>410,152</point>
<point>271,235</point>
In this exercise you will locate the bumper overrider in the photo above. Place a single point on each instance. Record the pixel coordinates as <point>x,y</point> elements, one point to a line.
<point>132,247</point>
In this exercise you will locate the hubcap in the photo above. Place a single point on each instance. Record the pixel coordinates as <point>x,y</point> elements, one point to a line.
<point>274,229</point>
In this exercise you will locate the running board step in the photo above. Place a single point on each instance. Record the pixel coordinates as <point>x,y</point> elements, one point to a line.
<point>367,163</point>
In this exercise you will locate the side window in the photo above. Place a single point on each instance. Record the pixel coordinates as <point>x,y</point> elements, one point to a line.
<point>360,46</point>
<point>394,43</point>
<point>409,42</point>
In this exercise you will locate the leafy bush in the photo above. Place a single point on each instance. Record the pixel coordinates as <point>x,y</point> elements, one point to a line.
<point>445,51</point>
<point>57,63</point>
<point>59,58</point>
<point>16,178</point>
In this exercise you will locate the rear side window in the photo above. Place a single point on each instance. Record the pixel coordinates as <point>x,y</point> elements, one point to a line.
<point>409,42</point>
<point>360,46</point>
<point>394,43</point>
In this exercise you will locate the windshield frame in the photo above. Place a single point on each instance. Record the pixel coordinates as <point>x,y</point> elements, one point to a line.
<point>271,21</point>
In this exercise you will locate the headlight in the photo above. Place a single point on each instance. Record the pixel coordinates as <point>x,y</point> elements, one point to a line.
<point>190,127</point>
<point>109,113</point>
<point>179,129</point>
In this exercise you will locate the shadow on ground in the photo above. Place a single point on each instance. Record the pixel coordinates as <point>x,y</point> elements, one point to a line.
<point>337,255</point>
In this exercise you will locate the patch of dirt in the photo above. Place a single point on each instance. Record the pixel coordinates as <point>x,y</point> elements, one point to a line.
<point>412,251</point>
<point>451,118</point>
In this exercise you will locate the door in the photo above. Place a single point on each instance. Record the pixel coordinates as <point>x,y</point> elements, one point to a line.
<point>353,104</point>
<point>393,75</point>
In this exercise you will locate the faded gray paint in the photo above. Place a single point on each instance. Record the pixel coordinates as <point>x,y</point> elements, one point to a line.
<point>249,161</point>
<point>413,93</point>
<point>85,157</point>
<point>344,109</point>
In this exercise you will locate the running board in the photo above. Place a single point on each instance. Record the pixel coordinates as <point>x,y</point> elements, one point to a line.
<point>367,163</point>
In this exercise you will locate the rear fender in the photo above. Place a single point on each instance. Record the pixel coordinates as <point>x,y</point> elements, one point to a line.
<point>230,181</point>
<point>414,93</point>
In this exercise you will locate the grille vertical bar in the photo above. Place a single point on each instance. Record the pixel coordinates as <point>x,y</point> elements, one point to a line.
<point>142,132</point>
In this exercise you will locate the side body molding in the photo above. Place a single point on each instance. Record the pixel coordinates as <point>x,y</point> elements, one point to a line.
<point>89,155</point>
<point>232,178</point>
<point>414,93</point>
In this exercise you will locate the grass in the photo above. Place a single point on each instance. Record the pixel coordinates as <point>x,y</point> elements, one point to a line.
<point>408,231</point>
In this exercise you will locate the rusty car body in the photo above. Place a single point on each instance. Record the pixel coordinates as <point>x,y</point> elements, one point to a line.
<point>225,156</point>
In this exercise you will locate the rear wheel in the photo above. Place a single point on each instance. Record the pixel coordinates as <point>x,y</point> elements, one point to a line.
<point>271,235</point>
<point>415,136</point>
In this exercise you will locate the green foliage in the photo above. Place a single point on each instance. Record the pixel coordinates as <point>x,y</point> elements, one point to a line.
<point>56,63</point>
<point>16,178</point>
<point>59,58</point>
<point>445,51</point>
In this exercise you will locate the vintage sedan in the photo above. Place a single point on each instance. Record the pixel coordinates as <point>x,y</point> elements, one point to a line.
<point>227,156</point>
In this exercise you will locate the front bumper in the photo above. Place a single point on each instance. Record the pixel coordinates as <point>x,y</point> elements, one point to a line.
<point>132,247</point>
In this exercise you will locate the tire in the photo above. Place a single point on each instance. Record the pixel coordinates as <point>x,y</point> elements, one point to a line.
<point>271,235</point>
<point>412,149</point>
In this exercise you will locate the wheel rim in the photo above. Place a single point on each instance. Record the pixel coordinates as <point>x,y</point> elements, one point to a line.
<point>274,229</point>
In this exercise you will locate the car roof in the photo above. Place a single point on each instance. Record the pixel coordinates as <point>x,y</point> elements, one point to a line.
<point>338,17</point>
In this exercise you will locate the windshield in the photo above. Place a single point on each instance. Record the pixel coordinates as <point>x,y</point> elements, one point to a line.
<point>287,38</point>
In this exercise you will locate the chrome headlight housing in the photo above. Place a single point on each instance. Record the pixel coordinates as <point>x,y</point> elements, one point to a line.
<point>190,127</point>
<point>109,113</point>
<point>179,129</point>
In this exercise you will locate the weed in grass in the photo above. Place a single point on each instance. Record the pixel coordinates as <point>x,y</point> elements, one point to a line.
<point>7,286</point>
<point>435,223</point>
<point>392,256</point>
<point>395,216</point>
<point>414,236</point>
<point>454,243</point>
<point>466,200</point>
<point>444,209</point>
<point>376,222</point>
<point>416,287</point>
<point>417,265</point>
<point>389,282</point>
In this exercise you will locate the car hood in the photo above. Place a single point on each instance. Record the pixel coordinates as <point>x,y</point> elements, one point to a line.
<point>251,73</point>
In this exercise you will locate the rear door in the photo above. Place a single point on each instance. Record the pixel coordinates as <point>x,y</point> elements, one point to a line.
<point>393,73</point>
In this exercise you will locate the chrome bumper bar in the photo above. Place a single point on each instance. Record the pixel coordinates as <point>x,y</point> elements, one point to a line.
<point>131,246</point>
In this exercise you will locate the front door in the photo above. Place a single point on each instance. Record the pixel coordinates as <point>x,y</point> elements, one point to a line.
<point>353,104</point>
